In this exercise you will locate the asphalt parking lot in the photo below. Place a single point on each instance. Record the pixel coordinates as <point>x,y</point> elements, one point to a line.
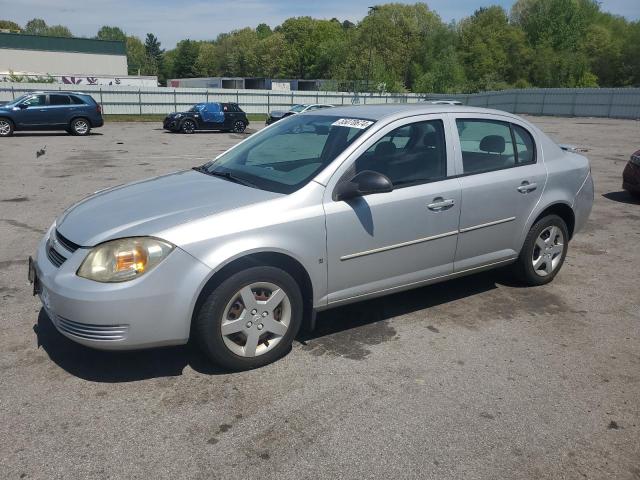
<point>471,379</point>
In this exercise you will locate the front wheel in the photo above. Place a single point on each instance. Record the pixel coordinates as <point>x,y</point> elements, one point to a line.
<point>543,252</point>
<point>188,126</point>
<point>6,127</point>
<point>80,126</point>
<point>250,319</point>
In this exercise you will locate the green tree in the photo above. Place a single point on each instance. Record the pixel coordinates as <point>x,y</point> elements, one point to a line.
<point>38,26</point>
<point>263,31</point>
<point>153,56</point>
<point>186,56</point>
<point>136,56</point>
<point>111,33</point>
<point>493,52</point>
<point>9,25</point>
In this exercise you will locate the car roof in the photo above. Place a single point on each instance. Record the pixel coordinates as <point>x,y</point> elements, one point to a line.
<point>400,110</point>
<point>49,92</point>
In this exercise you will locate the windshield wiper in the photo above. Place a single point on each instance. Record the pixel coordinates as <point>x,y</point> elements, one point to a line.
<point>226,175</point>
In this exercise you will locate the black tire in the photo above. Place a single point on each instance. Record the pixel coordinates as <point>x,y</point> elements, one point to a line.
<point>524,269</point>
<point>188,126</point>
<point>80,126</point>
<point>6,127</point>
<point>209,317</point>
<point>239,126</point>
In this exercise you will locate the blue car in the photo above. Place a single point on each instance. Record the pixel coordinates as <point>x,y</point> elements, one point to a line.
<point>77,113</point>
<point>227,117</point>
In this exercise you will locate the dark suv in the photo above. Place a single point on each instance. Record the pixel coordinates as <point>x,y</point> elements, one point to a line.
<point>77,113</point>
<point>208,116</point>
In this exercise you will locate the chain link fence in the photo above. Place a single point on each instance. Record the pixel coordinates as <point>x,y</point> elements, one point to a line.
<point>579,102</point>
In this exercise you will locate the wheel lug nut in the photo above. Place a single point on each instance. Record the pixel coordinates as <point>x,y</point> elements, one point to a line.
<point>254,311</point>
<point>260,326</point>
<point>264,314</point>
<point>249,324</point>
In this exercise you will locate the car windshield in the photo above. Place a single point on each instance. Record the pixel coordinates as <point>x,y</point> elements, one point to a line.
<point>297,108</point>
<point>195,108</point>
<point>288,154</point>
<point>19,99</point>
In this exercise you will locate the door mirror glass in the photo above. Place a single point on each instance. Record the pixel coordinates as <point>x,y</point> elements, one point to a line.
<point>364,183</point>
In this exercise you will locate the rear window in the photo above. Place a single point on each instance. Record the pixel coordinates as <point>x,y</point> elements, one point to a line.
<point>76,100</point>
<point>59,100</point>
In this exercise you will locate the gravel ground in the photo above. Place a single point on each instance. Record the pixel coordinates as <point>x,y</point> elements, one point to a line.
<point>475,378</point>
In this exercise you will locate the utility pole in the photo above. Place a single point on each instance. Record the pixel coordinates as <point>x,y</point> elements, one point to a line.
<point>372,10</point>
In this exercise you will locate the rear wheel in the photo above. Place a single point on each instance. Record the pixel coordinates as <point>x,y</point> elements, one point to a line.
<point>239,126</point>
<point>80,126</point>
<point>188,126</point>
<point>6,127</point>
<point>250,319</point>
<point>543,252</point>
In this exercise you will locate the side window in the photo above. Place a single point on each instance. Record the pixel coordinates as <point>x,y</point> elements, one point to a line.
<point>75,100</point>
<point>486,145</point>
<point>59,100</point>
<point>35,101</point>
<point>409,155</point>
<point>525,146</point>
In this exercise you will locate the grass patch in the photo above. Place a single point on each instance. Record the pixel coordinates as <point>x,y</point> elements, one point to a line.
<point>253,117</point>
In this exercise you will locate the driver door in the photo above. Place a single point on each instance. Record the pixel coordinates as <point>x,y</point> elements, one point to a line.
<point>212,115</point>
<point>32,112</point>
<point>385,241</point>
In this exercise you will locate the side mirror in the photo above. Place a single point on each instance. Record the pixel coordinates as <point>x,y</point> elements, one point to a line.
<point>364,183</point>
<point>22,106</point>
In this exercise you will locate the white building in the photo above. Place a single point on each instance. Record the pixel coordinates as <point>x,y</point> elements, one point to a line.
<point>79,61</point>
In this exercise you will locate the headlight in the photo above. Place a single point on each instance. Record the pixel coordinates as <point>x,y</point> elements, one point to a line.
<point>178,115</point>
<point>124,259</point>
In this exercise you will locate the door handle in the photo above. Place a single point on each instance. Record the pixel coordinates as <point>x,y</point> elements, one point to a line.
<point>439,204</point>
<point>527,187</point>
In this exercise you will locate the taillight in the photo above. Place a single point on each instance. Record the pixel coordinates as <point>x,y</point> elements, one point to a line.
<point>635,158</point>
<point>98,108</point>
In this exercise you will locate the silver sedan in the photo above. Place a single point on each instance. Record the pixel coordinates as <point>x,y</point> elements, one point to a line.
<point>321,209</point>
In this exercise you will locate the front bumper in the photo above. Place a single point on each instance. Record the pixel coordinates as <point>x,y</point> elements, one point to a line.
<point>169,124</point>
<point>153,310</point>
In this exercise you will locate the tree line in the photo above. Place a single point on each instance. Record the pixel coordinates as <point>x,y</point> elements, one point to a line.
<point>398,47</point>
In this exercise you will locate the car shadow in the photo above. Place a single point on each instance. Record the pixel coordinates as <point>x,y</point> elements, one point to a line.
<point>51,134</point>
<point>367,312</point>
<point>622,197</point>
<point>128,366</point>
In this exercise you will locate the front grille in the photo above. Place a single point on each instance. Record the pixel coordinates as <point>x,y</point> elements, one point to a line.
<point>54,257</point>
<point>92,332</point>
<point>66,243</point>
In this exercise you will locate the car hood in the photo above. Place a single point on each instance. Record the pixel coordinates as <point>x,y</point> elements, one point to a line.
<point>153,205</point>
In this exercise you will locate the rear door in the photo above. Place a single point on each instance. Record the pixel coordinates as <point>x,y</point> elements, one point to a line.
<point>502,180</point>
<point>60,109</point>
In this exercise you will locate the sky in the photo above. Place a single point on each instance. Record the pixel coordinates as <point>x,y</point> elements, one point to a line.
<point>174,20</point>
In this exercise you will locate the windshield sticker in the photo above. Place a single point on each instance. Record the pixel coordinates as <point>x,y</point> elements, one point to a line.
<point>352,123</point>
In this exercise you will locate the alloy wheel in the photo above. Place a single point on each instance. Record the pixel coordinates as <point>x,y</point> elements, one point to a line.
<point>256,319</point>
<point>81,127</point>
<point>239,126</point>
<point>548,251</point>
<point>5,128</point>
<point>188,126</point>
